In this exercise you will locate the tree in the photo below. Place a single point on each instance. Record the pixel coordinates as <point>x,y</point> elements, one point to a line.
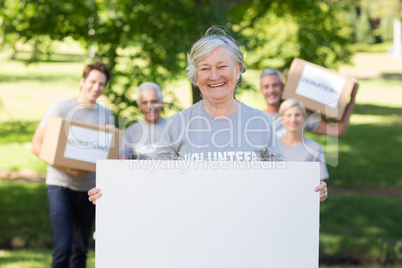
<point>312,30</point>
<point>148,40</point>
<point>162,38</point>
<point>36,22</point>
<point>364,33</point>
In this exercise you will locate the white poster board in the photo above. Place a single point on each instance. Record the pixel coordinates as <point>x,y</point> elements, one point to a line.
<point>90,146</point>
<point>183,214</point>
<point>320,86</point>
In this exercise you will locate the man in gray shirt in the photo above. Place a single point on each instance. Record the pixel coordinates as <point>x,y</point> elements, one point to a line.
<point>140,139</point>
<point>271,87</point>
<point>71,214</point>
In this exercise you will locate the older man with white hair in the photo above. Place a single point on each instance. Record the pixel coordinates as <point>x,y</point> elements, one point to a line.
<point>140,139</point>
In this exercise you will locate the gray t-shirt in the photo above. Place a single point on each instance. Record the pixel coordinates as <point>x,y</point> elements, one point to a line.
<point>307,151</point>
<point>140,140</point>
<point>195,135</point>
<point>70,108</point>
<point>311,124</point>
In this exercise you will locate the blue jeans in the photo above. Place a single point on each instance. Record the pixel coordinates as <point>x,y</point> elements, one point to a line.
<point>72,217</point>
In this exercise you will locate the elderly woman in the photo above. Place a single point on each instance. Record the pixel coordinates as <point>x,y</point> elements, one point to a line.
<point>218,127</point>
<point>294,145</point>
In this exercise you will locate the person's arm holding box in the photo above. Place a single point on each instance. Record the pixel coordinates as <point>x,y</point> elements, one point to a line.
<point>38,140</point>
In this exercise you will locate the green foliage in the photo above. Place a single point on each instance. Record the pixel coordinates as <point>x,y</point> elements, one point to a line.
<point>387,27</point>
<point>290,29</point>
<point>364,32</point>
<point>323,43</point>
<point>40,22</point>
<point>379,8</point>
<point>372,19</point>
<point>148,40</point>
<point>271,42</point>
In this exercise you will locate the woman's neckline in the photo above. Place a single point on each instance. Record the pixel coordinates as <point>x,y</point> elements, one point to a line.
<point>222,114</point>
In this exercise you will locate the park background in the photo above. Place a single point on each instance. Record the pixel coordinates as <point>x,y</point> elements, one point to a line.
<point>45,45</point>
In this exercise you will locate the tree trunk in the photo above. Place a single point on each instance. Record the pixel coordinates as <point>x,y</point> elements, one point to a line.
<point>196,93</point>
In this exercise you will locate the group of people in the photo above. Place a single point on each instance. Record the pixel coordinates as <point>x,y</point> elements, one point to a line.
<point>218,127</point>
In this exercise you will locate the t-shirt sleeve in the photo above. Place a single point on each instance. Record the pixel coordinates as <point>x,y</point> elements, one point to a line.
<point>128,143</point>
<point>53,111</point>
<point>320,157</point>
<point>124,149</point>
<point>312,122</point>
<point>110,118</point>
<point>274,151</point>
<point>323,171</point>
<point>167,147</point>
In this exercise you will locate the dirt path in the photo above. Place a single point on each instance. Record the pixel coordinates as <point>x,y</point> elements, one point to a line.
<point>365,191</point>
<point>30,176</point>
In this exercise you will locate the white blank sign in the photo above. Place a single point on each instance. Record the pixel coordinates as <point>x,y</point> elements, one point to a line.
<point>235,214</point>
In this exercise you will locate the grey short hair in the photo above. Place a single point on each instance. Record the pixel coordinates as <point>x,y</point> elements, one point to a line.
<point>149,86</point>
<point>269,71</point>
<point>289,103</point>
<point>215,37</point>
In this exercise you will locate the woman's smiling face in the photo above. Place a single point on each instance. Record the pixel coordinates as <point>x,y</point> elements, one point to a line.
<point>217,75</point>
<point>293,119</point>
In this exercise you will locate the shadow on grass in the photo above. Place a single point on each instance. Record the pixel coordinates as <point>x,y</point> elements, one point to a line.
<point>25,216</point>
<point>25,221</point>
<point>357,229</point>
<point>33,258</point>
<point>392,76</point>
<point>26,57</point>
<point>15,78</point>
<point>17,131</point>
<point>370,109</point>
<point>369,156</point>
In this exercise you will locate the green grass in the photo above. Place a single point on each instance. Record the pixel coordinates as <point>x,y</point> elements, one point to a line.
<point>40,258</point>
<point>37,258</point>
<point>15,139</point>
<point>361,228</point>
<point>381,47</point>
<point>27,91</point>
<point>368,156</point>
<point>355,228</point>
<point>25,219</point>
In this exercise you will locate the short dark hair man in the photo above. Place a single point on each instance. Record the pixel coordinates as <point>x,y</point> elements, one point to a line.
<point>71,214</point>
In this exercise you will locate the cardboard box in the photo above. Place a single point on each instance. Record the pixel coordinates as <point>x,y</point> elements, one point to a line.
<point>78,145</point>
<point>319,89</point>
